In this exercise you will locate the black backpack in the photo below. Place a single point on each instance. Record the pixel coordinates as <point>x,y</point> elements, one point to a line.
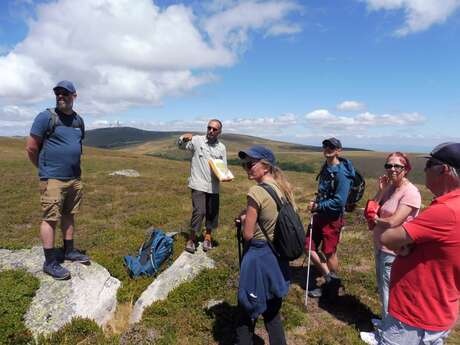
<point>357,188</point>
<point>289,238</point>
<point>358,185</point>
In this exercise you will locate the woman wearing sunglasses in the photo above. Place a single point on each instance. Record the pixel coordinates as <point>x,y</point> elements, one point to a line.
<point>263,278</point>
<point>397,201</point>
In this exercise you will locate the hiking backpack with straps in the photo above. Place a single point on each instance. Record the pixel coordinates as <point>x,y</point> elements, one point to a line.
<point>289,237</point>
<point>152,254</point>
<point>54,123</point>
<point>357,188</point>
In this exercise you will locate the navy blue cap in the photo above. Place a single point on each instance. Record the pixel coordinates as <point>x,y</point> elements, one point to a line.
<point>258,152</point>
<point>65,84</point>
<point>334,142</point>
<point>448,153</point>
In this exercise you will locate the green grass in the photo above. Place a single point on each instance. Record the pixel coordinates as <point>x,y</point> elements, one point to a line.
<point>117,211</point>
<point>17,290</point>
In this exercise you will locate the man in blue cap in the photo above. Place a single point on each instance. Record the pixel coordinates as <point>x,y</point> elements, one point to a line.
<point>55,147</point>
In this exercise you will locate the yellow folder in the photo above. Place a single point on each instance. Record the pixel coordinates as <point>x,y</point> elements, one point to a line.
<point>221,170</point>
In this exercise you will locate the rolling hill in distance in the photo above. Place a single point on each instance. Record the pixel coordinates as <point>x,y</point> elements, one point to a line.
<point>292,157</point>
<point>120,137</point>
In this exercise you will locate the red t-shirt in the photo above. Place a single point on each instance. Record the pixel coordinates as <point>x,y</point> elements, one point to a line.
<point>425,285</point>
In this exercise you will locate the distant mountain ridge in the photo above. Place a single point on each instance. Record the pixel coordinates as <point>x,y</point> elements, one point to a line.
<point>120,137</point>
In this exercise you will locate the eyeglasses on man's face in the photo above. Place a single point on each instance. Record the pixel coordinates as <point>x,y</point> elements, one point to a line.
<point>431,163</point>
<point>213,129</point>
<point>398,167</point>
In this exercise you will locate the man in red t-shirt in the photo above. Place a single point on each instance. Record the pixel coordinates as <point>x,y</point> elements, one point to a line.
<point>425,284</point>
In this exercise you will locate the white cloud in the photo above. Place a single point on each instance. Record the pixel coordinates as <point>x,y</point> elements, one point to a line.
<point>123,53</point>
<point>350,106</point>
<point>14,113</point>
<point>322,118</point>
<point>419,14</point>
<point>231,27</point>
<point>264,124</point>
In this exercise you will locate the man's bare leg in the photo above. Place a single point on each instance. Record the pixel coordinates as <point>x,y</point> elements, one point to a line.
<point>47,233</point>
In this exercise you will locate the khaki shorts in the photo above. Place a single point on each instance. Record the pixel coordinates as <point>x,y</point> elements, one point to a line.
<point>60,197</point>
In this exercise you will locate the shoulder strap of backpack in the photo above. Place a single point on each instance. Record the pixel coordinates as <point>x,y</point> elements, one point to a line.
<point>80,124</point>
<point>279,203</point>
<point>321,171</point>
<point>269,189</point>
<point>53,122</point>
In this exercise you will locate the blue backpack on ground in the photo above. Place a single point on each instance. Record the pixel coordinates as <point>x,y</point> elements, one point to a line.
<point>152,254</point>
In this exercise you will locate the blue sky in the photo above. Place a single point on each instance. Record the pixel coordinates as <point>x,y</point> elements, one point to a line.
<point>378,74</point>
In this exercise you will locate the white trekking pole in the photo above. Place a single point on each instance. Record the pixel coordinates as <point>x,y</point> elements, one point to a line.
<point>310,229</point>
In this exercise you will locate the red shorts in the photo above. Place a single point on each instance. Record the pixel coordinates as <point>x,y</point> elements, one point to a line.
<point>326,231</point>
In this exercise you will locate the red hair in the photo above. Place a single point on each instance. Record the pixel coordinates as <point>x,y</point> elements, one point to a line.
<point>404,159</point>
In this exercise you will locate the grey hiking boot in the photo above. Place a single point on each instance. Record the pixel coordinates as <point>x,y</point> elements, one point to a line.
<point>190,247</point>
<point>315,293</point>
<point>76,256</point>
<point>55,270</point>
<point>207,245</point>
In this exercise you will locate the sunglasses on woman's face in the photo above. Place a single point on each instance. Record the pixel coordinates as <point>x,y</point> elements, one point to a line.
<point>389,166</point>
<point>248,164</point>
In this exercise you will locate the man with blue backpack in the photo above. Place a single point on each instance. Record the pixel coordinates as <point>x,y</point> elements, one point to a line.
<point>55,147</point>
<point>334,182</point>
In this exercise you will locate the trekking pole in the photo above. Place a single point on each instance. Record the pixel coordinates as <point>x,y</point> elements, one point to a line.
<point>239,239</point>
<point>310,229</point>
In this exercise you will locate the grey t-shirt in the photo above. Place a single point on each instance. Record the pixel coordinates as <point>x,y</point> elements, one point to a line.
<point>201,177</point>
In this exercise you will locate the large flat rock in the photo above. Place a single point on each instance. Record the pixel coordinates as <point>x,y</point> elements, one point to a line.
<point>90,293</point>
<point>185,268</point>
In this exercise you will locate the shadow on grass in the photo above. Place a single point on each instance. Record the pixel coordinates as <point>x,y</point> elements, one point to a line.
<point>224,327</point>
<point>349,309</point>
<point>345,307</point>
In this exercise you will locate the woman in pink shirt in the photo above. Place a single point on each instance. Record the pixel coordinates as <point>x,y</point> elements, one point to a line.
<point>399,202</point>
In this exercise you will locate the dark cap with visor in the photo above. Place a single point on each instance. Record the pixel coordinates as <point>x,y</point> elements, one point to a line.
<point>258,152</point>
<point>447,153</point>
<point>65,84</point>
<point>333,142</point>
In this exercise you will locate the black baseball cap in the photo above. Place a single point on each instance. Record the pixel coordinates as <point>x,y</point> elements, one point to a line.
<point>447,153</point>
<point>333,142</point>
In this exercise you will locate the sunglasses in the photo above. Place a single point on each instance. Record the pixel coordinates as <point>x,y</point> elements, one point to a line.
<point>431,163</point>
<point>212,129</point>
<point>62,92</point>
<point>248,164</point>
<point>395,166</point>
<point>329,146</point>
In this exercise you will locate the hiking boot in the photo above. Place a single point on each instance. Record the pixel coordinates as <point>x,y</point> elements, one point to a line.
<point>315,293</point>
<point>190,247</point>
<point>207,245</point>
<point>55,270</point>
<point>76,256</point>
